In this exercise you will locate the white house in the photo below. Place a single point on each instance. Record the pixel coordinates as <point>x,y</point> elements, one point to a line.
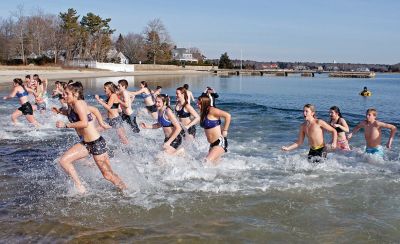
<point>115,55</point>
<point>183,54</point>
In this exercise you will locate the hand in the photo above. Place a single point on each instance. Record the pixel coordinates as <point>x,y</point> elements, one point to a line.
<point>60,124</point>
<point>336,125</point>
<point>389,144</point>
<point>224,133</point>
<point>166,145</point>
<point>55,110</point>
<point>350,135</point>
<point>143,125</point>
<point>97,97</point>
<point>333,146</point>
<point>4,98</point>
<point>284,148</point>
<point>105,126</point>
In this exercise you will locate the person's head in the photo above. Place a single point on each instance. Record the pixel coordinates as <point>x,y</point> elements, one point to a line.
<point>18,82</point>
<point>371,114</point>
<point>27,78</point>
<point>309,111</point>
<point>365,88</point>
<point>143,84</point>
<point>181,96</point>
<point>334,112</point>
<point>73,91</point>
<point>158,88</point>
<point>186,86</point>
<point>204,103</point>
<point>161,101</point>
<point>36,78</point>
<point>122,84</point>
<point>110,88</point>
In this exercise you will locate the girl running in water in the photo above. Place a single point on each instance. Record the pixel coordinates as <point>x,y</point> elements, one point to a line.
<point>169,123</point>
<point>21,92</point>
<point>210,120</point>
<point>185,113</point>
<point>341,128</point>
<point>112,107</point>
<point>91,142</point>
<point>145,92</point>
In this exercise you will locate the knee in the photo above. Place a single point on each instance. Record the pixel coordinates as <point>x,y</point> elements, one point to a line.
<point>108,175</point>
<point>64,162</point>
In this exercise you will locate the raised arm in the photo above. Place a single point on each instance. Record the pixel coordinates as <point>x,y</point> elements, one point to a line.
<point>299,142</point>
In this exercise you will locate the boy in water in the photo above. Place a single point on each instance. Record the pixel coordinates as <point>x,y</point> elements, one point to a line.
<point>373,133</point>
<point>313,128</point>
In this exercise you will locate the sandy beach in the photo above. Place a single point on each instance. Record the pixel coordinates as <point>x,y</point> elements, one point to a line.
<point>7,73</point>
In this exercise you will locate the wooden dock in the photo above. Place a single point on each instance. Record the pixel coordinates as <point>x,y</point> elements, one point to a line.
<point>352,74</point>
<point>283,72</point>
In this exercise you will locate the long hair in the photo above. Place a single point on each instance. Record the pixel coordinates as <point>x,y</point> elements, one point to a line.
<point>144,83</point>
<point>205,104</point>
<point>111,86</point>
<point>165,99</point>
<point>337,110</point>
<point>19,82</point>
<point>76,87</point>
<point>38,79</point>
<point>183,91</point>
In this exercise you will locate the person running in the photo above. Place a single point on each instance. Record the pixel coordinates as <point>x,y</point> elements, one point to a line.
<point>313,128</point>
<point>20,91</point>
<point>40,89</point>
<point>145,92</point>
<point>126,106</point>
<point>156,92</point>
<point>216,133</point>
<point>185,113</point>
<point>167,120</point>
<point>373,133</point>
<point>189,93</point>
<point>340,126</point>
<point>91,141</point>
<point>112,107</point>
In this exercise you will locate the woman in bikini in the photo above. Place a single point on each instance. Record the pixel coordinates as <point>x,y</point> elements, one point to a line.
<point>145,93</point>
<point>20,91</point>
<point>186,113</point>
<point>341,128</point>
<point>216,133</point>
<point>92,142</point>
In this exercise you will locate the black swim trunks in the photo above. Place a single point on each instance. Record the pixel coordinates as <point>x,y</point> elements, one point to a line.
<point>175,143</point>
<point>115,122</point>
<point>26,109</point>
<point>131,120</point>
<point>222,142</point>
<point>96,147</point>
<point>191,131</point>
<point>316,155</point>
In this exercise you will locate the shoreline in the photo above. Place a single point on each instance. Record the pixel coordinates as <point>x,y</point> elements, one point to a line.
<point>7,74</point>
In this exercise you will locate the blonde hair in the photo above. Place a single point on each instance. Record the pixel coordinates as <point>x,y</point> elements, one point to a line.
<point>371,110</point>
<point>311,107</point>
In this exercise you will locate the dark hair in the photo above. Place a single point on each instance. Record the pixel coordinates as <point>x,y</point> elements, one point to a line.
<point>28,76</point>
<point>205,104</point>
<point>165,99</point>
<point>57,82</point>
<point>183,90</point>
<point>158,87</point>
<point>186,86</point>
<point>19,82</point>
<point>337,110</point>
<point>38,79</point>
<point>76,87</point>
<point>123,83</point>
<point>144,83</point>
<point>113,88</point>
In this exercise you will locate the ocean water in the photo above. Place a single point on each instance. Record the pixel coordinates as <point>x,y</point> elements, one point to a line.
<point>256,194</point>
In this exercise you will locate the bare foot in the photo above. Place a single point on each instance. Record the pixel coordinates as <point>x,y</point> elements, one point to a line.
<point>81,189</point>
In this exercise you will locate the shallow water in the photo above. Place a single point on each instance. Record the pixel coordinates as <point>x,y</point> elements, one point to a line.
<point>256,194</point>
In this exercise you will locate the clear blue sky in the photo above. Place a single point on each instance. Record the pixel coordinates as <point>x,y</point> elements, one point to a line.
<point>353,31</point>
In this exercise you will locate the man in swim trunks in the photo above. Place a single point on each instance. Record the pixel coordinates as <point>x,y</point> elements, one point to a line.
<point>373,134</point>
<point>313,128</point>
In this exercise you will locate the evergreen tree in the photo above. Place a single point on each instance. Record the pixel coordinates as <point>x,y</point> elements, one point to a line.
<point>225,62</point>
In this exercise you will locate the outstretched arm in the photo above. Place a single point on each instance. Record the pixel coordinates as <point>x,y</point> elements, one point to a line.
<point>299,141</point>
<point>356,129</point>
<point>134,93</point>
<point>12,94</point>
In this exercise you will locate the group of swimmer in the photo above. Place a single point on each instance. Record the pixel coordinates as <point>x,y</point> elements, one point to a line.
<point>177,124</point>
<point>313,128</point>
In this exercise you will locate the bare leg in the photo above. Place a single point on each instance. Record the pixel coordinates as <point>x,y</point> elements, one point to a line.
<point>15,115</point>
<point>103,162</point>
<point>154,115</point>
<point>122,135</point>
<point>215,154</point>
<point>32,120</point>
<point>76,152</point>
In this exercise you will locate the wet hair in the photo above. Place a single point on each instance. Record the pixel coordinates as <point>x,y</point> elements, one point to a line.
<point>365,88</point>
<point>371,110</point>
<point>205,104</point>
<point>186,86</point>
<point>311,107</point>
<point>76,87</point>
<point>183,91</point>
<point>27,76</point>
<point>38,79</point>
<point>158,87</point>
<point>123,83</point>
<point>111,86</point>
<point>165,99</point>
<point>57,82</point>
<point>337,110</point>
<point>19,82</point>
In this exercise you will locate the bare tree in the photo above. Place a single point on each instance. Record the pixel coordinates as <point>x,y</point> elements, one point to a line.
<point>20,31</point>
<point>157,40</point>
<point>132,47</point>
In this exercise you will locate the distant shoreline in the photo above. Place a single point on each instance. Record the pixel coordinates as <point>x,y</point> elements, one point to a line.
<point>8,73</point>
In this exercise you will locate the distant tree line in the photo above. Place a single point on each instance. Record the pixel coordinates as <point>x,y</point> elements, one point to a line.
<point>71,36</point>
